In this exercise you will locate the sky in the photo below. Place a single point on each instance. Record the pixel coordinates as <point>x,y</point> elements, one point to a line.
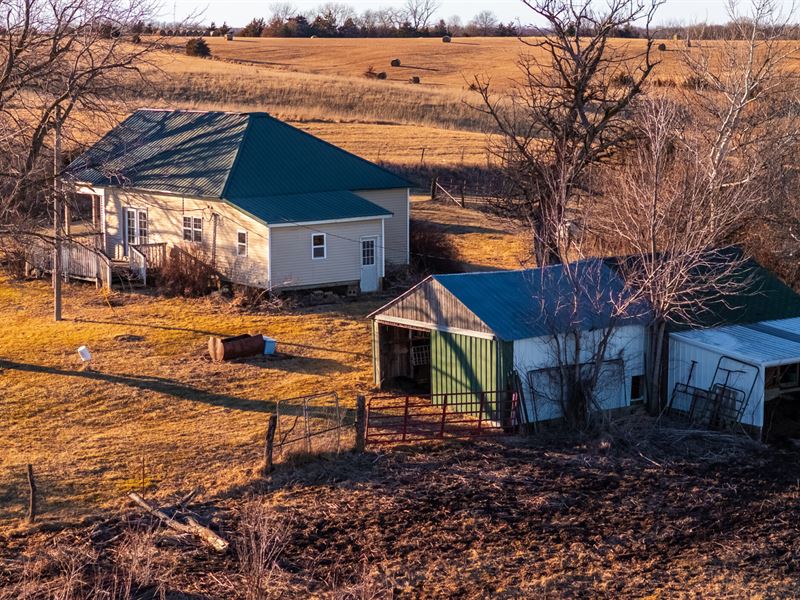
<point>239,12</point>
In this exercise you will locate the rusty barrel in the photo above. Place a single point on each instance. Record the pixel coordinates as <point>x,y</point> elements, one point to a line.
<point>235,347</point>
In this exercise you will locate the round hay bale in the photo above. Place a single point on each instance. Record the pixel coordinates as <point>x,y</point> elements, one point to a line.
<point>447,39</point>
<point>381,75</point>
<point>313,37</point>
<point>396,62</point>
<point>662,47</point>
<point>414,79</point>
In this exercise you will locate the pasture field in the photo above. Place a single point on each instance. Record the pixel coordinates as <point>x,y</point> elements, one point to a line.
<point>152,393</point>
<point>438,65</point>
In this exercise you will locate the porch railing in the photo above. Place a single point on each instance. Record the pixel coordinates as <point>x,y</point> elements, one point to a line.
<point>155,253</point>
<point>137,262</point>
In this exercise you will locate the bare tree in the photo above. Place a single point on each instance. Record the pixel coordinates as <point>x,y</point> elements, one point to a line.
<point>484,23</point>
<point>63,67</point>
<point>281,11</point>
<point>664,212</point>
<point>743,101</point>
<point>419,12</point>
<point>567,114</point>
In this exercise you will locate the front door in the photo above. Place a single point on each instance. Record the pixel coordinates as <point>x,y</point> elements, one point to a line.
<point>369,264</point>
<point>136,227</point>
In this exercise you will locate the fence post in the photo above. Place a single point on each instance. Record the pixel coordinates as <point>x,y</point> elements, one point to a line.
<point>361,423</point>
<point>444,415</point>
<point>32,498</point>
<point>405,419</point>
<point>433,188</point>
<point>463,198</point>
<point>270,444</point>
<point>480,411</point>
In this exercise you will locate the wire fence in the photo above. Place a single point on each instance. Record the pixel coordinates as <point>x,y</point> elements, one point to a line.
<point>311,424</point>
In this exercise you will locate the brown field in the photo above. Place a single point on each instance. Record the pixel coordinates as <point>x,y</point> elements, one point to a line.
<point>160,398</point>
<point>439,65</point>
<point>534,519</point>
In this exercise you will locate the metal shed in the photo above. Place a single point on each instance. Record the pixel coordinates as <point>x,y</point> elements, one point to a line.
<point>738,375</point>
<point>491,331</point>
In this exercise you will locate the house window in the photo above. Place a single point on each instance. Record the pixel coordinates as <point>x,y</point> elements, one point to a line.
<point>143,232</point>
<point>637,388</point>
<point>136,227</point>
<point>241,243</point>
<point>318,246</point>
<point>367,253</point>
<point>193,229</point>
<point>131,226</point>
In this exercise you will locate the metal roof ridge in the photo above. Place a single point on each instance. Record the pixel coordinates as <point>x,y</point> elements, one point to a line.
<point>337,148</point>
<point>199,111</point>
<point>232,169</point>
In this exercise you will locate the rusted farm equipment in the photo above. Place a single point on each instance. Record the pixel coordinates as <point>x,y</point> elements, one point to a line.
<point>397,419</point>
<point>235,347</point>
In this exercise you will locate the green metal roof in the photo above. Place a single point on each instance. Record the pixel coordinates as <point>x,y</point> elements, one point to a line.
<point>248,159</point>
<point>296,208</point>
<point>760,296</point>
<point>180,152</point>
<point>277,159</point>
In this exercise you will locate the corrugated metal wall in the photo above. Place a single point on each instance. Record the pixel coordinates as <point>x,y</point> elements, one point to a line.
<point>462,363</point>
<point>681,355</point>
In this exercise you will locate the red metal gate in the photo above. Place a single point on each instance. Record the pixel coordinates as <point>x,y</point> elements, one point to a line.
<point>396,419</point>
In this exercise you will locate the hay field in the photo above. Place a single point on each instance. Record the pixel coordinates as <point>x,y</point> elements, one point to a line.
<point>438,65</point>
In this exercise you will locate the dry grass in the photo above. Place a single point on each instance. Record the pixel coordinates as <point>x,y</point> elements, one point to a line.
<point>159,397</point>
<point>438,65</point>
<point>194,422</point>
<point>482,241</point>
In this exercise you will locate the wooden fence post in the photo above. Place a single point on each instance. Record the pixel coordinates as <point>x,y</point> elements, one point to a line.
<point>32,498</point>
<point>361,423</point>
<point>269,444</point>
<point>433,188</point>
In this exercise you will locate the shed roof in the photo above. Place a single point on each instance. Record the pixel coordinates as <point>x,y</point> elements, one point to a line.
<point>767,343</point>
<point>532,303</point>
<point>244,158</point>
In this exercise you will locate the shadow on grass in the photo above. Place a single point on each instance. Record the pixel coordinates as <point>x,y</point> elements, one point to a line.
<point>160,385</point>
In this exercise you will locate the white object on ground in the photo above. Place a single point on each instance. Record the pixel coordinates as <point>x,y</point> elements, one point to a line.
<point>84,353</point>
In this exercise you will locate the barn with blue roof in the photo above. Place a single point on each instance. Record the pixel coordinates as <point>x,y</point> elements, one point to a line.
<point>270,205</point>
<point>490,332</point>
<point>734,364</point>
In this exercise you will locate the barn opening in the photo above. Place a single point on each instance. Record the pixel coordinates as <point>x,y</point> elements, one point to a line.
<point>404,355</point>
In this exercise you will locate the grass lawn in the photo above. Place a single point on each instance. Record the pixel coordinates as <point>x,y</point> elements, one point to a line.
<point>157,398</point>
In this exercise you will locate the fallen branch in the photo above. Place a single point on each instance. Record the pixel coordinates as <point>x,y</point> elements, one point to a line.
<point>192,527</point>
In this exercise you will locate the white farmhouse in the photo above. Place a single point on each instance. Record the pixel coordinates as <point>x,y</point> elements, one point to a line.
<point>271,206</point>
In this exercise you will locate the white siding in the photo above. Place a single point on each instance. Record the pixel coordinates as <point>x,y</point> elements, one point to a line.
<point>626,344</point>
<point>165,219</point>
<point>396,233</point>
<point>681,355</point>
<point>292,265</point>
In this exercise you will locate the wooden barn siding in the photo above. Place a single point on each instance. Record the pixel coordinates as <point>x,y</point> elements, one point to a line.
<point>463,364</point>
<point>431,303</point>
